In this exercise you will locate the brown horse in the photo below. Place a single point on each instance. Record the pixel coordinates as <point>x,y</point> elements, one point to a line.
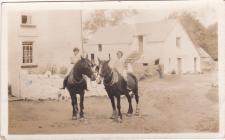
<point>116,86</point>
<point>76,84</point>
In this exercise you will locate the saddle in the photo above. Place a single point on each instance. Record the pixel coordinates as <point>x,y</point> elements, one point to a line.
<point>71,80</point>
<point>115,76</point>
<point>131,80</point>
<point>75,85</point>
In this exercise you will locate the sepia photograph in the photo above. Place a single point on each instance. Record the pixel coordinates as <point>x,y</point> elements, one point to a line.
<point>104,70</point>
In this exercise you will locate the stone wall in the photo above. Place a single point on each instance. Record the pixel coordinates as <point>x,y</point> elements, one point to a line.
<point>48,87</point>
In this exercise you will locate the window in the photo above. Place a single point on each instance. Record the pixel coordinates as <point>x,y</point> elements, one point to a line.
<point>178,42</point>
<point>26,20</point>
<point>27,52</point>
<point>157,61</point>
<point>145,64</point>
<point>99,47</point>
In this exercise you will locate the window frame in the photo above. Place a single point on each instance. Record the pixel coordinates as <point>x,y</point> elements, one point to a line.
<point>27,49</point>
<point>30,63</point>
<point>29,21</point>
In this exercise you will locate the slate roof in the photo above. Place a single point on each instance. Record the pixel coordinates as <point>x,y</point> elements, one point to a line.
<point>112,35</point>
<point>203,53</point>
<point>155,31</point>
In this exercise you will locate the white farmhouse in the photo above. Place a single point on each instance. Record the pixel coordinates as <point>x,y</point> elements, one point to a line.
<point>109,40</point>
<point>165,40</point>
<point>38,39</point>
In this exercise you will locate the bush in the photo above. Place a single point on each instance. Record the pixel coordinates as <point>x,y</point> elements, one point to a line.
<point>173,72</point>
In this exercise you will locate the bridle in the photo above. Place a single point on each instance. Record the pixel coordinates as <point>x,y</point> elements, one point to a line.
<point>107,80</point>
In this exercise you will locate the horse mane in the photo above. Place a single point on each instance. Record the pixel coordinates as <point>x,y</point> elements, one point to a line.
<point>75,70</point>
<point>115,77</point>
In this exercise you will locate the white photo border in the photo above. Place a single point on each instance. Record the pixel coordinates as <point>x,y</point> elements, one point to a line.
<point>59,5</point>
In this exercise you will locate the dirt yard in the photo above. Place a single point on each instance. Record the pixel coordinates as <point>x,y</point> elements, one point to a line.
<point>187,103</point>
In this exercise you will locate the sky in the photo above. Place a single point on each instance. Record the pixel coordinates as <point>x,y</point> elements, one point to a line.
<point>206,12</point>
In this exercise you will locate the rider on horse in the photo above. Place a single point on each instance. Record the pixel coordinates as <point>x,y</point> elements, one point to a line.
<point>74,59</point>
<point>121,66</point>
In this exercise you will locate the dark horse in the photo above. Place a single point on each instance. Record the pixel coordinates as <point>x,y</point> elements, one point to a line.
<point>76,84</point>
<point>116,86</point>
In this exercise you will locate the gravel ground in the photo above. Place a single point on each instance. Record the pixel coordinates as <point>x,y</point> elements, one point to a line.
<point>175,104</point>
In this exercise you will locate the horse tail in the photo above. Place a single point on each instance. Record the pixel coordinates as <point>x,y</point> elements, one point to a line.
<point>136,91</point>
<point>135,88</point>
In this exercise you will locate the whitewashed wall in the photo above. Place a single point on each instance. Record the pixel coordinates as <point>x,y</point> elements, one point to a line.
<point>167,49</point>
<point>153,50</point>
<point>110,49</point>
<point>44,87</point>
<point>186,51</point>
<point>55,34</point>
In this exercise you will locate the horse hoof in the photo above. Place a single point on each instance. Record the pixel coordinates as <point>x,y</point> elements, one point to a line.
<point>119,120</point>
<point>82,119</point>
<point>129,114</point>
<point>137,113</point>
<point>112,117</point>
<point>74,117</point>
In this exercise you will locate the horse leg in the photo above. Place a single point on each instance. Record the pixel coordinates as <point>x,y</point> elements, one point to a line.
<point>113,107</point>
<point>75,108</point>
<point>130,109</point>
<point>118,108</point>
<point>137,101</point>
<point>82,105</point>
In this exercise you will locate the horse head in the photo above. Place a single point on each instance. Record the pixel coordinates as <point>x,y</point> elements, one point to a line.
<point>86,68</point>
<point>103,70</point>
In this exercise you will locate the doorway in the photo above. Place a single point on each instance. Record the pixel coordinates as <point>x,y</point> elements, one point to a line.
<point>179,65</point>
<point>140,43</point>
<point>195,64</point>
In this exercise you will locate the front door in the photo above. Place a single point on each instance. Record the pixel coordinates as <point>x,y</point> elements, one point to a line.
<point>140,43</point>
<point>179,65</point>
<point>195,64</point>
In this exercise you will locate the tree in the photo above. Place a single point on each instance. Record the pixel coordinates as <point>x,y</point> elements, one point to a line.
<point>205,37</point>
<point>101,18</point>
<point>98,19</point>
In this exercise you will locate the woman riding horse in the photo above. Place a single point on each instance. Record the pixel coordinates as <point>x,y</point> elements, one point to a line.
<point>116,86</point>
<point>76,84</point>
